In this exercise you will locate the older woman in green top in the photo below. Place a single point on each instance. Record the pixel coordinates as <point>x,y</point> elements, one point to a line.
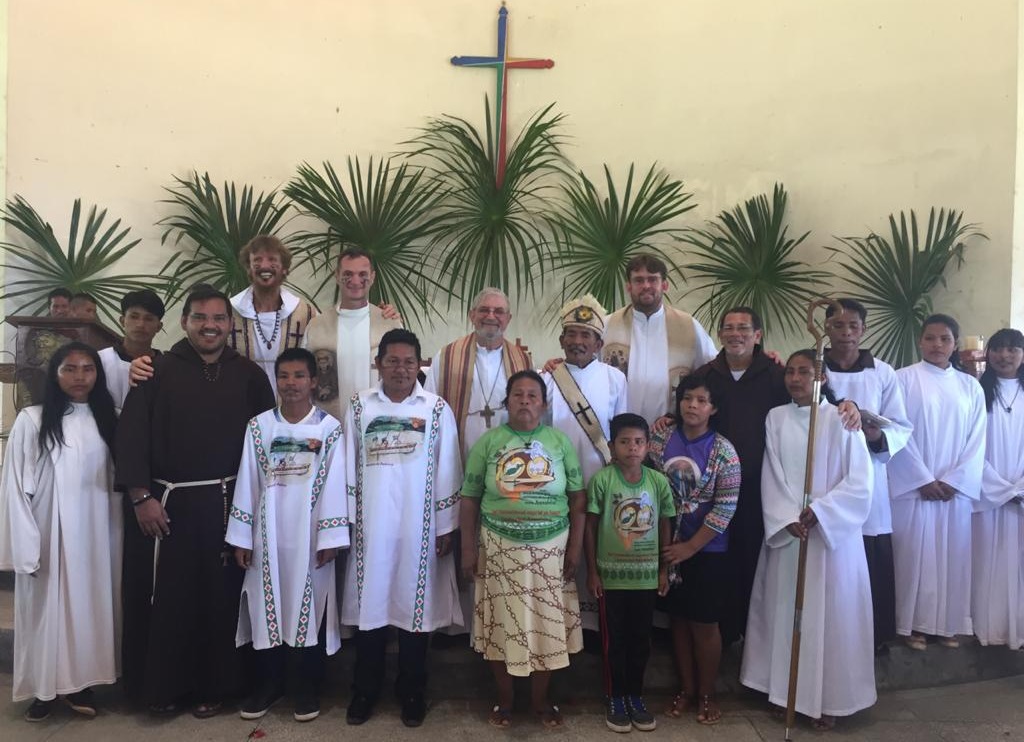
<point>522,519</point>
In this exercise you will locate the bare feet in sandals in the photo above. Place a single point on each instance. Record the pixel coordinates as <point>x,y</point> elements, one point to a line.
<point>708,712</point>
<point>499,717</point>
<point>824,724</point>
<point>679,705</point>
<point>550,716</point>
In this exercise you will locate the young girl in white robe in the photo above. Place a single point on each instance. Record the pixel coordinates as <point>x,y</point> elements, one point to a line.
<point>997,596</point>
<point>60,532</point>
<point>837,670</point>
<point>934,482</point>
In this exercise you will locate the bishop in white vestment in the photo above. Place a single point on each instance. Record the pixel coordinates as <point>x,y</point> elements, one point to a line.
<point>837,668</point>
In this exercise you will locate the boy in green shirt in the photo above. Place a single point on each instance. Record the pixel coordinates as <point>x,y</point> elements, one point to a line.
<point>629,518</point>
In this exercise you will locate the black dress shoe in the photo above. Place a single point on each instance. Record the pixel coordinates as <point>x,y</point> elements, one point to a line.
<point>360,709</point>
<point>414,709</point>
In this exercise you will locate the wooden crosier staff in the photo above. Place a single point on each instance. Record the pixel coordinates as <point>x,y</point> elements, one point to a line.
<point>801,570</point>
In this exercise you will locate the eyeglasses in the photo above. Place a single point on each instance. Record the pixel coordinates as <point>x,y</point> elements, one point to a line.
<point>742,329</point>
<point>400,363</point>
<point>496,311</point>
<point>220,319</point>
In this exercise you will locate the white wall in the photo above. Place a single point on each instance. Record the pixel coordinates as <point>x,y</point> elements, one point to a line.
<point>861,107</point>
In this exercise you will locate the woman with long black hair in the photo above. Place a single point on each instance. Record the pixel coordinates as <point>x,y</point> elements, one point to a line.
<point>60,532</point>
<point>997,599</point>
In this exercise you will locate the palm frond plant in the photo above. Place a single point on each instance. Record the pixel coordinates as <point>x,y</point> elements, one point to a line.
<point>895,274</point>
<point>43,264</point>
<point>597,235</point>
<point>493,233</point>
<point>745,258</point>
<point>209,227</point>
<point>388,212</point>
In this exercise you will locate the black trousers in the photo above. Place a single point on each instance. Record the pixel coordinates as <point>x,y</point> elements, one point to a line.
<point>412,663</point>
<point>626,630</point>
<point>307,669</point>
<point>881,572</point>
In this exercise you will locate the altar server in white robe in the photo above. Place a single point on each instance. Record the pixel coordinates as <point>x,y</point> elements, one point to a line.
<point>934,483</point>
<point>857,376</point>
<point>61,532</point>
<point>404,475</point>
<point>584,394</point>
<point>997,586</point>
<point>837,669</point>
<point>288,518</point>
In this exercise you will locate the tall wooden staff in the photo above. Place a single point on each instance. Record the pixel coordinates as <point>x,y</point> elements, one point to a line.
<point>801,571</point>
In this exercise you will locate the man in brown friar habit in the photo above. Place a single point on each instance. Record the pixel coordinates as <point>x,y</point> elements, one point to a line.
<point>179,442</point>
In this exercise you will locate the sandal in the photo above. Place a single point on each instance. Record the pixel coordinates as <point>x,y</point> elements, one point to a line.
<point>709,712</point>
<point>917,642</point>
<point>551,717</point>
<point>501,718</point>
<point>206,710</point>
<point>680,704</point>
<point>950,642</point>
<point>824,723</point>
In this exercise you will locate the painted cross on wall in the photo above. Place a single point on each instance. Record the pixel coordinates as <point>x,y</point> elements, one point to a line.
<point>502,63</point>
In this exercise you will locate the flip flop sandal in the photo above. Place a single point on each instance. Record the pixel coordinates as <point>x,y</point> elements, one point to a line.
<point>551,717</point>
<point>501,718</point>
<point>704,715</point>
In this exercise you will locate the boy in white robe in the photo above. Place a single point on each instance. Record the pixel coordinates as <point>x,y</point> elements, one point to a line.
<point>997,600</point>
<point>935,482</point>
<point>288,519</point>
<point>836,665</point>
<point>61,533</point>
<point>404,471</point>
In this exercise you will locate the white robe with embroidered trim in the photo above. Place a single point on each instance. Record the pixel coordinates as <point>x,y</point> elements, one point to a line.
<point>289,503</point>
<point>997,586</point>
<point>931,539</point>
<point>404,475</point>
<point>877,390</point>
<point>61,533</point>
<point>837,662</point>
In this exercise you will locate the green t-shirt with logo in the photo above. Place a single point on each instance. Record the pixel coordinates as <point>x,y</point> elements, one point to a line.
<point>628,552</point>
<point>521,479</point>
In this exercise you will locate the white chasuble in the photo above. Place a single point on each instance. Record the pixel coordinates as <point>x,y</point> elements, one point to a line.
<point>932,539</point>
<point>404,475</point>
<point>289,503</point>
<point>61,533</point>
<point>877,390</point>
<point>997,586</point>
<point>837,663</point>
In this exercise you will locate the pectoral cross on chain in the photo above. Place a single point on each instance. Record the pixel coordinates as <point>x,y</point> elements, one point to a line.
<point>487,413</point>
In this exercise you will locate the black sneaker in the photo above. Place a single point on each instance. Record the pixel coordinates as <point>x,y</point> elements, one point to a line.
<point>360,709</point>
<point>259,703</point>
<point>38,711</point>
<point>414,709</point>
<point>82,702</point>
<point>307,708</point>
<point>638,714</point>
<point>616,717</point>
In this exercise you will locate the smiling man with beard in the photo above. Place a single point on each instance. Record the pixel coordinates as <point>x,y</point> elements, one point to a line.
<point>179,443</point>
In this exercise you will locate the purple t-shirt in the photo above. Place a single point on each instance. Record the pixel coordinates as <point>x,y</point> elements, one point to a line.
<point>684,462</point>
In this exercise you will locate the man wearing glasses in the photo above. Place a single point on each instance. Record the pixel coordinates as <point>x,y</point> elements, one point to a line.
<point>654,344</point>
<point>404,475</point>
<point>179,443</point>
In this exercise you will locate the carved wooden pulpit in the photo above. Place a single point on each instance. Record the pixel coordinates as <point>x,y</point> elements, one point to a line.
<point>37,340</point>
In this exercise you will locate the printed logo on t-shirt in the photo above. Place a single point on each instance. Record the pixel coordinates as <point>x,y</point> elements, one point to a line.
<point>523,469</point>
<point>683,475</point>
<point>388,436</point>
<point>634,516</point>
<point>293,457</point>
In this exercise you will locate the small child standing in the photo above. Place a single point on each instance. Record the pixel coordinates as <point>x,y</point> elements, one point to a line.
<point>629,512</point>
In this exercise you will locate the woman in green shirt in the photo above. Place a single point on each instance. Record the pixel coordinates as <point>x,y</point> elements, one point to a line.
<point>522,519</point>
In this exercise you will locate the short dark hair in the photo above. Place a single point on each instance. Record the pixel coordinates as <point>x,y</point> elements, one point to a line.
<point>629,421</point>
<point>398,336</point>
<point>296,354</point>
<point>355,252</point>
<point>646,262</point>
<point>146,299</point>
<point>204,292</point>
<point>265,243</point>
<point>59,292</point>
<point>82,296</point>
<point>851,305</point>
<point>690,382</point>
<point>942,319</point>
<point>526,374</point>
<point>755,318</point>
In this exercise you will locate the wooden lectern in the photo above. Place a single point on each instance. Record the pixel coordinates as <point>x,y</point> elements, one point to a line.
<point>37,340</point>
